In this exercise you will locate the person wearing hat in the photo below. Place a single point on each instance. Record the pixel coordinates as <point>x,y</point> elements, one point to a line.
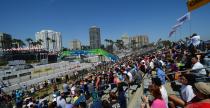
<point>202,99</point>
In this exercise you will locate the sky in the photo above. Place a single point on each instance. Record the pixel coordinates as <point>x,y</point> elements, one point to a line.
<point>73,18</point>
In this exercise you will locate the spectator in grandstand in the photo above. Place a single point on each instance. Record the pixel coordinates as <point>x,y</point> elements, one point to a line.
<point>116,79</point>
<point>106,104</point>
<point>121,96</point>
<point>197,65</point>
<point>186,90</point>
<point>156,82</point>
<point>96,100</point>
<point>61,101</point>
<point>159,71</point>
<point>158,101</point>
<point>202,92</point>
<point>19,98</point>
<point>81,97</point>
<point>68,102</point>
<point>66,88</point>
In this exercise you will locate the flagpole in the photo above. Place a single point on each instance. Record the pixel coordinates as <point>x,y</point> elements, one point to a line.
<point>180,33</point>
<point>190,26</point>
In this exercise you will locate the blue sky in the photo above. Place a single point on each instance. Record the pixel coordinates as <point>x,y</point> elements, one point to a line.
<point>73,18</point>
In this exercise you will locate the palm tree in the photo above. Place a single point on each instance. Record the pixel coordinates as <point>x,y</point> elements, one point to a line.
<point>39,42</point>
<point>110,46</point>
<point>119,44</point>
<point>21,43</point>
<point>107,41</point>
<point>15,42</point>
<point>48,39</point>
<point>18,42</point>
<point>29,40</point>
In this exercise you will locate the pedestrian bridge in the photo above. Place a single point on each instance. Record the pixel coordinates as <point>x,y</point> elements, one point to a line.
<point>91,52</point>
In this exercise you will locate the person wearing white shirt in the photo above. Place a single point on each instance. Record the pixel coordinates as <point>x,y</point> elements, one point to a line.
<point>130,76</point>
<point>198,65</point>
<point>61,102</point>
<point>187,93</point>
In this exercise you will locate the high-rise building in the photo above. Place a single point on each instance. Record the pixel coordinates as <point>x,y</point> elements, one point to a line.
<point>125,39</point>
<point>5,41</point>
<point>95,38</point>
<point>52,41</point>
<point>75,45</point>
<point>140,40</point>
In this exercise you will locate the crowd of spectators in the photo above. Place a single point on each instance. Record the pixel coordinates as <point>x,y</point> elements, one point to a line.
<point>175,68</point>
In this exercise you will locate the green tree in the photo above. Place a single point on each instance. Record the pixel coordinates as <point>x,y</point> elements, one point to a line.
<point>119,44</point>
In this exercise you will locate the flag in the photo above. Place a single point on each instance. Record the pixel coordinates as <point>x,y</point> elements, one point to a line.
<point>194,4</point>
<point>177,25</point>
<point>184,18</point>
<point>172,32</point>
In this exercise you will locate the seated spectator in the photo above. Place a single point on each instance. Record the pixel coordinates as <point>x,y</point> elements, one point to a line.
<point>202,92</point>
<point>198,65</point>
<point>158,101</point>
<point>160,73</point>
<point>186,90</point>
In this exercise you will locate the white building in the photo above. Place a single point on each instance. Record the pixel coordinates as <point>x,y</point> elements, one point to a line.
<point>125,38</point>
<point>52,41</point>
<point>75,45</point>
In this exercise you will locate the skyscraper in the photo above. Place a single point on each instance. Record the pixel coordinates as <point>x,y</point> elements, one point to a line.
<point>52,41</point>
<point>5,41</point>
<point>95,38</point>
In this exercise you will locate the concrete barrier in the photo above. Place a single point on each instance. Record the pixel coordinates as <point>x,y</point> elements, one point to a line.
<point>63,70</point>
